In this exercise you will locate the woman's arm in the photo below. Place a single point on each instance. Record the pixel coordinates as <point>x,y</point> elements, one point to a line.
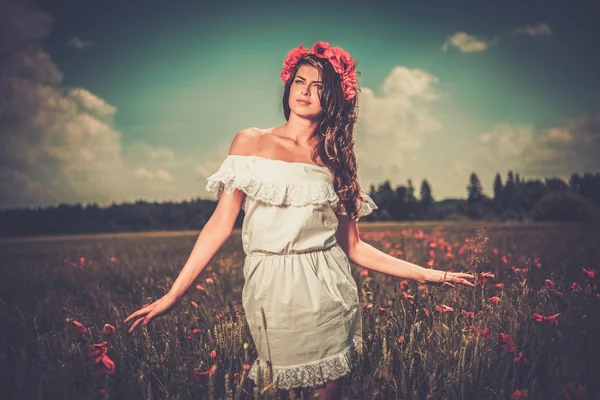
<point>214,233</point>
<point>367,256</point>
<point>218,228</point>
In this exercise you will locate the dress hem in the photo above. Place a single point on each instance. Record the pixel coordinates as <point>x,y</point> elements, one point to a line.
<point>305,375</point>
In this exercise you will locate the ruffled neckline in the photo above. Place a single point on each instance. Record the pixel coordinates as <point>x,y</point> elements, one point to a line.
<point>237,173</point>
<point>279,161</point>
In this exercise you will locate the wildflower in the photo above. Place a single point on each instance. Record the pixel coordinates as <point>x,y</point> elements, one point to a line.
<point>213,354</point>
<point>517,394</point>
<point>80,328</point>
<point>403,284</point>
<point>443,308</point>
<point>494,299</point>
<point>400,339</point>
<point>590,273</point>
<point>199,375</point>
<point>407,296</point>
<point>194,304</point>
<point>559,295</point>
<point>499,285</point>
<point>196,331</point>
<point>485,333</point>
<point>551,320</point>
<point>108,329</point>
<point>199,287</point>
<point>549,284</point>
<point>382,310</point>
<point>364,272</point>
<point>506,343</point>
<point>573,390</point>
<point>575,286</point>
<point>210,280</point>
<point>246,367</point>
<point>487,275</point>
<point>521,357</point>
<point>101,364</point>
<point>537,317</point>
<point>504,260</point>
<point>468,314</point>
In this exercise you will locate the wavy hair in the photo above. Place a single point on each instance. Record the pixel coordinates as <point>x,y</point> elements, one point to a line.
<point>335,136</point>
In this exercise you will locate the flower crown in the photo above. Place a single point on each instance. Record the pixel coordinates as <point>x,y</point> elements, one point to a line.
<point>340,59</point>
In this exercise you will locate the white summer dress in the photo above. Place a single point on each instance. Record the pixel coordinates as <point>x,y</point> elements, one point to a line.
<point>294,269</point>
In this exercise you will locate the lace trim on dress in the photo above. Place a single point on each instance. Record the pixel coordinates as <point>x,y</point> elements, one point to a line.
<point>307,375</point>
<point>294,194</point>
<point>367,205</point>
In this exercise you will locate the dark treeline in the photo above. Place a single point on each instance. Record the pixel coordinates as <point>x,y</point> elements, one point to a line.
<point>552,199</point>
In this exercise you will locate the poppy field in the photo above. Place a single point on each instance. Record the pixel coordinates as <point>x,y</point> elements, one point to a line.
<point>530,329</point>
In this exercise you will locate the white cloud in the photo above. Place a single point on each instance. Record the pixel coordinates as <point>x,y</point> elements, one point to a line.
<point>61,146</point>
<point>541,29</point>
<point>465,43</point>
<point>77,43</point>
<point>159,175</point>
<point>393,123</point>
<point>570,147</point>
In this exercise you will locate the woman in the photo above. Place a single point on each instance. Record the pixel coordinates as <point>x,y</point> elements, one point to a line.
<point>298,186</point>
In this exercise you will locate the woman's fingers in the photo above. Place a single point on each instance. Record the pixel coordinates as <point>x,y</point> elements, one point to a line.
<point>135,324</point>
<point>139,312</point>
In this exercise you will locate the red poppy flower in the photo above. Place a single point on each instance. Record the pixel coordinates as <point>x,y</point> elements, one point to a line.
<point>573,391</point>
<point>494,299</point>
<point>485,333</point>
<point>443,308</point>
<point>506,343</point>
<point>590,273</point>
<point>108,329</point>
<point>519,394</point>
<point>80,328</point>
<point>200,375</point>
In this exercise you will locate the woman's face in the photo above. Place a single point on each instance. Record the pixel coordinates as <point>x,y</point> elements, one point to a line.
<point>305,93</point>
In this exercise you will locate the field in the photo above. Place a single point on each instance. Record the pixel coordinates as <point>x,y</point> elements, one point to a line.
<point>529,329</point>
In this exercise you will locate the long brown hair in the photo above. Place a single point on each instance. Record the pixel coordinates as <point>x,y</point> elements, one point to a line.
<point>335,136</point>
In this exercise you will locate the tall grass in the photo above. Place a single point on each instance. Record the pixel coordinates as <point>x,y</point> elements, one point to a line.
<point>535,335</point>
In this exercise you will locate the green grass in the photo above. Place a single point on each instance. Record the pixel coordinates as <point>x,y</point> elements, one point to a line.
<point>408,353</point>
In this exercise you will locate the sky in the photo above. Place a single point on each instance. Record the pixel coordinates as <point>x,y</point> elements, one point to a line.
<point>114,101</point>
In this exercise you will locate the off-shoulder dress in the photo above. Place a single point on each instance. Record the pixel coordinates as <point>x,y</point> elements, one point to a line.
<point>294,269</point>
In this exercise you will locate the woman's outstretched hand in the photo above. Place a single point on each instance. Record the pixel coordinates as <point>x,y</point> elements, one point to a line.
<point>441,278</point>
<point>156,309</point>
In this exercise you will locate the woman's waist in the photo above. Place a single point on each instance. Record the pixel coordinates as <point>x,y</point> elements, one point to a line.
<point>291,251</point>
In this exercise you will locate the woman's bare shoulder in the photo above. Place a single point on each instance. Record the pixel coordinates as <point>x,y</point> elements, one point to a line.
<point>246,142</point>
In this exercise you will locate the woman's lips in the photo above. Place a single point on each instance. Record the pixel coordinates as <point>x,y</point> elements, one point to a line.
<point>303,102</point>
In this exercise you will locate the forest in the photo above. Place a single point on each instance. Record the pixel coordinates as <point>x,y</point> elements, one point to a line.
<point>513,199</point>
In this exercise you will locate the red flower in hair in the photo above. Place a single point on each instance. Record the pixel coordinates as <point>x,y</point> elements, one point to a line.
<point>342,63</point>
<point>322,49</point>
<point>291,60</point>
